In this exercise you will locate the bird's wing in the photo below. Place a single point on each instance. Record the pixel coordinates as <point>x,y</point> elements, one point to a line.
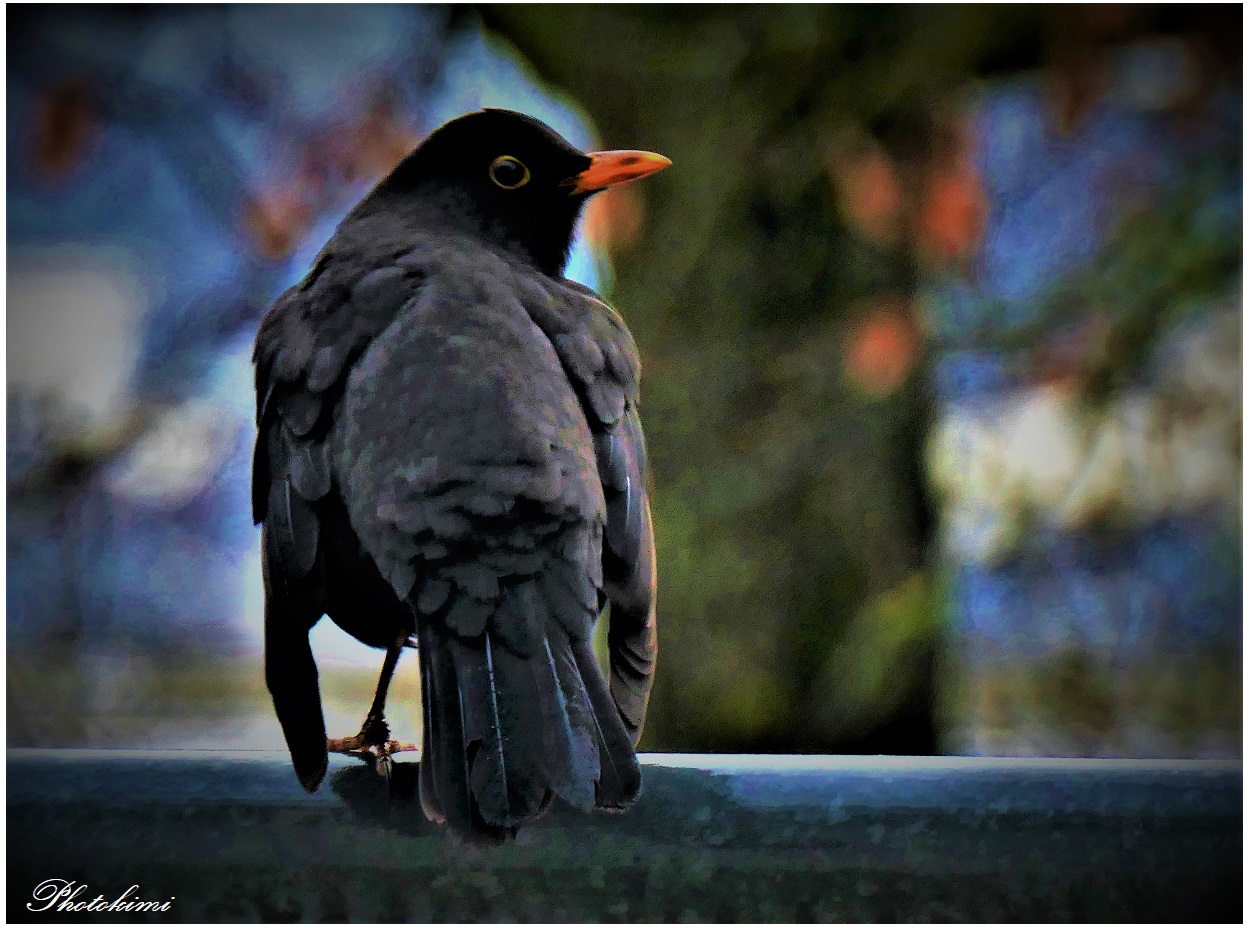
<point>304,349</point>
<point>467,466</point>
<point>629,568</point>
<point>601,360</point>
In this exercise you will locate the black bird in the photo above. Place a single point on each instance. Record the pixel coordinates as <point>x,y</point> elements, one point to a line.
<point>449,449</point>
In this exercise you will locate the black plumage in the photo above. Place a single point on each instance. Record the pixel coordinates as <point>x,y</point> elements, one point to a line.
<point>449,448</point>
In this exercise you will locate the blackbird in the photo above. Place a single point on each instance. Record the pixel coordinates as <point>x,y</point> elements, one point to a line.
<point>450,456</point>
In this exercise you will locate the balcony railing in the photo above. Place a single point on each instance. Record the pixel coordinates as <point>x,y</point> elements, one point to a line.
<point>230,836</point>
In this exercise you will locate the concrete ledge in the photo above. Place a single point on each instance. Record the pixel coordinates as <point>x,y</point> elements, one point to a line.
<point>230,836</point>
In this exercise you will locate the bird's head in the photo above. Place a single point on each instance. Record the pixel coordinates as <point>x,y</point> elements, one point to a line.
<point>509,179</point>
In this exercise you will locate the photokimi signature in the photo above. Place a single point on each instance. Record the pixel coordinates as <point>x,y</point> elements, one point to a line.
<point>65,895</point>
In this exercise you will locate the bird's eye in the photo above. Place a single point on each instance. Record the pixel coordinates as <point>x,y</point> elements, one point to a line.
<point>508,172</point>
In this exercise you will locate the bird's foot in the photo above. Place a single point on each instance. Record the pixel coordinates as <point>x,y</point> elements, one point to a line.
<point>372,745</point>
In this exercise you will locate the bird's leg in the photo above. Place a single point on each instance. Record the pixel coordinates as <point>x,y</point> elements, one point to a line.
<point>373,742</point>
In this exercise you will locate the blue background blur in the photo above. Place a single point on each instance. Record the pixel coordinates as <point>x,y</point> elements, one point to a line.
<point>170,173</point>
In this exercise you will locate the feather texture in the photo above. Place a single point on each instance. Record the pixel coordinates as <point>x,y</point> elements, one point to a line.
<point>531,723</point>
<point>448,445</point>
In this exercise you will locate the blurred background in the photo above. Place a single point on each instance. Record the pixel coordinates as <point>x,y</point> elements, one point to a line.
<point>939,311</point>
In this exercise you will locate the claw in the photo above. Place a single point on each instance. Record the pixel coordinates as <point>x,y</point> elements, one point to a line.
<point>372,745</point>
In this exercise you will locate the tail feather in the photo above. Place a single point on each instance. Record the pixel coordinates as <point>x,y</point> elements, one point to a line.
<point>486,765</point>
<point>502,733</point>
<point>566,714</point>
<point>527,674</point>
<point>444,753</point>
<point>430,802</point>
<point>506,729</point>
<point>620,776</point>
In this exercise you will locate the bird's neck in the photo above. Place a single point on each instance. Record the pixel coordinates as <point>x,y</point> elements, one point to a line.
<point>543,242</point>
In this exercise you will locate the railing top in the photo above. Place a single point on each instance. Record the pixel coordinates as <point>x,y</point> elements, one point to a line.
<point>719,762</point>
<point>761,781</point>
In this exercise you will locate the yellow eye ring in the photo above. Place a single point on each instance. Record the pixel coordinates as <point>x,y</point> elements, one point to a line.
<point>503,172</point>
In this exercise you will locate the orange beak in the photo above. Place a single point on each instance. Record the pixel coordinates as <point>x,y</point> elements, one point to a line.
<point>607,169</point>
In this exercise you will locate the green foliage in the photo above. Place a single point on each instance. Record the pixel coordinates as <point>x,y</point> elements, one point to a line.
<point>887,640</point>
